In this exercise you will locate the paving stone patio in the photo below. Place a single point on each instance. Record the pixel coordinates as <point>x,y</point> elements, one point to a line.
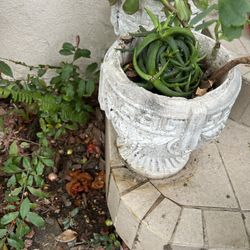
<point>205,206</point>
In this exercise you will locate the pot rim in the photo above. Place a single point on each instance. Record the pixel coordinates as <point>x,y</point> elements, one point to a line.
<point>219,96</point>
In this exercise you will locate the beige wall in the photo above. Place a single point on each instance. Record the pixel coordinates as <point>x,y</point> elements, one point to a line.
<point>34,30</point>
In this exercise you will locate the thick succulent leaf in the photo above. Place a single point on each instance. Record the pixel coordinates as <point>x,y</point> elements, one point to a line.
<point>202,15</point>
<point>131,6</point>
<point>201,4</point>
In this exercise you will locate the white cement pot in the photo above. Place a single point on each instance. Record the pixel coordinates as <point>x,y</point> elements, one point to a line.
<point>156,134</point>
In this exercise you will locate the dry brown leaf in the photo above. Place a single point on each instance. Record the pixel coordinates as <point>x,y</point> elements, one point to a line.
<point>99,181</point>
<point>67,236</point>
<point>80,182</point>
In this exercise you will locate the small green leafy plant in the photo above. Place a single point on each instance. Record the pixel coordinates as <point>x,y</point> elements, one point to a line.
<point>25,180</point>
<point>59,105</point>
<point>109,242</point>
<point>69,221</point>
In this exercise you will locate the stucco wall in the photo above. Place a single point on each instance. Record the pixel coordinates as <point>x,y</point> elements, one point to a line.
<point>34,30</point>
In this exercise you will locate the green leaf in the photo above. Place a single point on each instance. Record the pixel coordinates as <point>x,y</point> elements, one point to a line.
<point>69,91</point>
<point>26,163</point>
<point>47,162</point>
<point>153,18</point>
<point>71,126</point>
<point>233,12</point>
<point>39,168</point>
<point>87,108</point>
<point>203,14</point>
<point>2,233</point>
<point>22,229</point>
<point>39,181</point>
<point>16,243</point>
<point>201,4</point>
<point>22,178</point>
<point>24,145</point>
<point>66,52</point>
<point>131,6</point>
<point>232,32</point>
<point>10,207</point>
<point>67,71</point>
<point>91,68</point>
<point>30,180</point>
<point>25,207</point>
<point>6,219</point>
<point>12,181</point>
<point>68,46</point>
<point>117,244</point>
<point>5,69</point>
<point>183,10</point>
<point>90,87</point>
<point>11,169</point>
<point>13,150</point>
<point>16,191</point>
<point>81,88</point>
<point>41,72</point>
<point>204,25</point>
<point>37,192</point>
<point>74,212</point>
<point>86,88</point>
<point>42,124</point>
<point>12,198</point>
<point>82,53</point>
<point>35,219</point>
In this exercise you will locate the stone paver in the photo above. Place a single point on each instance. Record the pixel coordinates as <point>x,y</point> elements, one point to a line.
<point>225,230</point>
<point>189,232</point>
<point>242,102</point>
<point>157,228</point>
<point>209,185</point>
<point>133,207</point>
<point>245,119</point>
<point>121,180</point>
<point>215,182</point>
<point>234,146</point>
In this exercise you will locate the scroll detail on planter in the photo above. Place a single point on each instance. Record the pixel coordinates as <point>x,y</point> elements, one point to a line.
<point>156,134</point>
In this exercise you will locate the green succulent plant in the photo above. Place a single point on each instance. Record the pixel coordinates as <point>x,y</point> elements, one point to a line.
<point>168,59</point>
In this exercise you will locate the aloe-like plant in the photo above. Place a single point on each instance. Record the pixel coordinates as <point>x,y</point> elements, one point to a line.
<point>168,59</point>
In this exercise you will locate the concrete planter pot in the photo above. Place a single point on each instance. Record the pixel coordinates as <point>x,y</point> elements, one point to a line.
<point>156,134</point>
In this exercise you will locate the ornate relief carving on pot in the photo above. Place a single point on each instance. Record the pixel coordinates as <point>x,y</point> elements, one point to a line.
<point>156,134</point>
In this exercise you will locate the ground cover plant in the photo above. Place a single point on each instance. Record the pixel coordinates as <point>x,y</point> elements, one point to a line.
<point>52,155</point>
